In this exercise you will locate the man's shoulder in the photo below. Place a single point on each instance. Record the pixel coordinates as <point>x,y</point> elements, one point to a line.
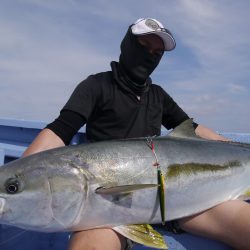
<point>101,76</point>
<point>96,80</point>
<point>155,87</point>
<point>158,90</point>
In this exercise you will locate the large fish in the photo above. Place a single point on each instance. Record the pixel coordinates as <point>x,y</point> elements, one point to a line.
<point>116,184</point>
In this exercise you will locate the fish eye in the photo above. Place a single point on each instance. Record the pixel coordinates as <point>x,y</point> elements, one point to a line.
<point>12,186</point>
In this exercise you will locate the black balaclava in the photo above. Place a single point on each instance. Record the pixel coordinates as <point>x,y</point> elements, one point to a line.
<point>135,60</point>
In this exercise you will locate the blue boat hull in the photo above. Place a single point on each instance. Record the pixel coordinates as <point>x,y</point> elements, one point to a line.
<point>17,239</point>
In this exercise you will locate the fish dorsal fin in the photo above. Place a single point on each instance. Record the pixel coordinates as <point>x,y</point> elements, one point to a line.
<point>142,234</point>
<point>184,130</point>
<point>125,189</point>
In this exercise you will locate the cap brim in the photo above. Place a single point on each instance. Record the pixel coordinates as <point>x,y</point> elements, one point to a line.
<point>168,40</point>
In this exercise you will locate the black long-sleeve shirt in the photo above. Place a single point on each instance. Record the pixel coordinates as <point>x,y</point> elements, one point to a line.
<point>110,112</point>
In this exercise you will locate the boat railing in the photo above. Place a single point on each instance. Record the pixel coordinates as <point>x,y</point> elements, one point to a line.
<point>16,135</point>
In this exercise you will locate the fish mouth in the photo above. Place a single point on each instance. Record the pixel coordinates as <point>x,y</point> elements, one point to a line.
<point>2,203</point>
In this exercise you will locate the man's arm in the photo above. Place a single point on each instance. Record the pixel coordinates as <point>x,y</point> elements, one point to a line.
<point>46,139</point>
<point>209,134</point>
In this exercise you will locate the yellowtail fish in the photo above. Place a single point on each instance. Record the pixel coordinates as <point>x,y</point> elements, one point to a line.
<point>115,184</point>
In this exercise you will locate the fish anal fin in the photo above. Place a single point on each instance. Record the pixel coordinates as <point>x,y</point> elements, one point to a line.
<point>142,234</point>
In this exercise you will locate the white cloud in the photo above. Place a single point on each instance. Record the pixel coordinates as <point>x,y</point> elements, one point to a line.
<point>236,88</point>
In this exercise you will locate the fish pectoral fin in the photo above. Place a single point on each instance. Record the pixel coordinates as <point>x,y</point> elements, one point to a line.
<point>125,189</point>
<point>142,234</point>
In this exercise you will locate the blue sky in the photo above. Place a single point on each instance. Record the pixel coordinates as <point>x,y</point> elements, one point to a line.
<point>48,46</point>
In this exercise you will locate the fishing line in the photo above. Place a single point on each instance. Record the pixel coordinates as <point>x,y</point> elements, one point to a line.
<point>13,237</point>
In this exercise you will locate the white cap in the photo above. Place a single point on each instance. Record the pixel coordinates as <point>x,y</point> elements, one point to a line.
<point>145,26</point>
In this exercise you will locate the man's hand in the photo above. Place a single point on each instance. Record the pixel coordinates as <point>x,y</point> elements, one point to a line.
<point>209,134</point>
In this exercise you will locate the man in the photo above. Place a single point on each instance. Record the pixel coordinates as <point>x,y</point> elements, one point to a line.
<point>123,103</point>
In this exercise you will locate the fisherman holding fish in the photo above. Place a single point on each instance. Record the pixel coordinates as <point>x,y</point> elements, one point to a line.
<point>124,103</point>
